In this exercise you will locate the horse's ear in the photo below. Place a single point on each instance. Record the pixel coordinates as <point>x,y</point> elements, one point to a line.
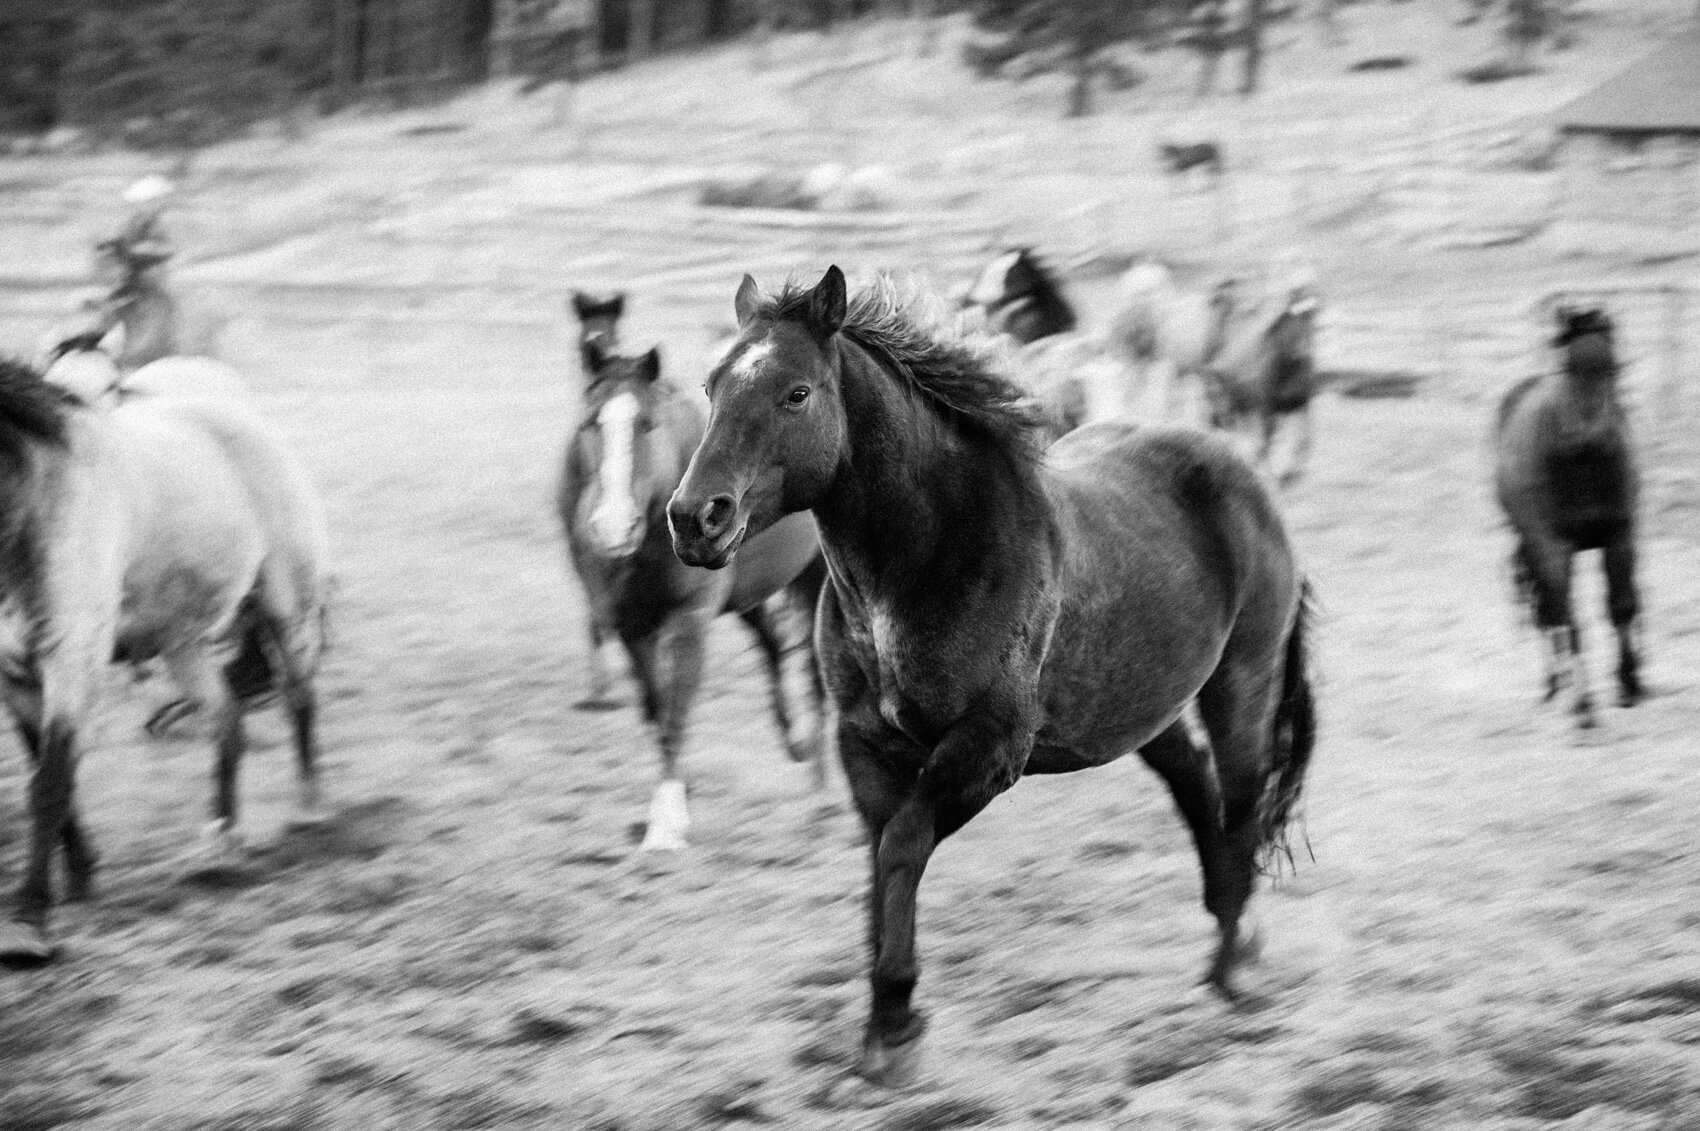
<point>616,306</point>
<point>828,303</point>
<point>581,305</point>
<point>747,301</point>
<point>649,366</point>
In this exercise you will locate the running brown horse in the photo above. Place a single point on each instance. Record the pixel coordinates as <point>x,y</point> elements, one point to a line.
<point>995,610</point>
<point>1266,372</point>
<point>635,435</point>
<point>1565,476</point>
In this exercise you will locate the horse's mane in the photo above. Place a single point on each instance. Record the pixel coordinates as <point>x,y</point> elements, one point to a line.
<point>30,407</point>
<point>956,365</point>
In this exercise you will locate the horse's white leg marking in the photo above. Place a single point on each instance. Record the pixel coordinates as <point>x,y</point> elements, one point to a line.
<point>616,516</point>
<point>669,818</point>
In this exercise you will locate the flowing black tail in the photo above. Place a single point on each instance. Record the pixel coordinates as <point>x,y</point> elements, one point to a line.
<point>1293,740</point>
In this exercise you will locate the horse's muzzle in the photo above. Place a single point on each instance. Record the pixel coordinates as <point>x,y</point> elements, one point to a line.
<point>707,533</point>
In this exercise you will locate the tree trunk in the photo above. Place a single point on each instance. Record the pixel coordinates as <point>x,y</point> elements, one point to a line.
<point>1253,46</point>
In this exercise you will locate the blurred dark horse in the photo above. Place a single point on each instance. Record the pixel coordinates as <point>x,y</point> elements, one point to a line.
<point>1565,477</point>
<point>1021,297</point>
<point>626,456</point>
<point>1266,371</point>
<point>995,612</point>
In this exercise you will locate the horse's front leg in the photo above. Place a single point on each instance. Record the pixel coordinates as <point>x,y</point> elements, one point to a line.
<point>908,812</point>
<point>676,685</point>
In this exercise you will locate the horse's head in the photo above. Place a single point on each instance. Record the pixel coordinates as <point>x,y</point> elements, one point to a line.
<point>598,320</point>
<point>1011,276</point>
<point>626,473</point>
<point>1586,335</point>
<point>776,426</point>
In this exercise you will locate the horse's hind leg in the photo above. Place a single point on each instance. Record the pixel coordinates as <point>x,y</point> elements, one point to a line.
<point>196,672</point>
<point>1237,704</point>
<point>291,671</point>
<point>1191,777</point>
<point>1625,607</point>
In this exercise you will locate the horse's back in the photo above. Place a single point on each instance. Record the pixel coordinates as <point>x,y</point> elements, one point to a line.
<point>275,490</point>
<point>1121,473</point>
<point>1173,552</point>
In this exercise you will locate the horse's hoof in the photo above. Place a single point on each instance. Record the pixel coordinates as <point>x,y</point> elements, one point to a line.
<point>656,839</point>
<point>220,851</point>
<point>24,945</point>
<point>1585,716</point>
<point>890,1066</point>
<point>598,703</point>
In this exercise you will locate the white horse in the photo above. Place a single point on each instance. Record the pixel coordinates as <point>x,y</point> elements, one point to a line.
<point>134,528</point>
<point>1166,332</point>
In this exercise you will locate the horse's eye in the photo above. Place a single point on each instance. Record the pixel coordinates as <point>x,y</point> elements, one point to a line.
<point>797,396</point>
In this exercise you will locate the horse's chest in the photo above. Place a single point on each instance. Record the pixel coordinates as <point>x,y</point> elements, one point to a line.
<point>908,683</point>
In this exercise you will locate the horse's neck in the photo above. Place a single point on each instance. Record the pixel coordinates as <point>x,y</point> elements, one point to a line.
<point>1588,405</point>
<point>912,491</point>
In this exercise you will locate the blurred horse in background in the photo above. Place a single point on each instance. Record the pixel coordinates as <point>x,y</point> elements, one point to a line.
<point>1021,297</point>
<point>1565,476</point>
<point>1266,372</point>
<point>635,434</point>
<point>153,527</point>
<point>1166,332</point>
<point>1066,370</point>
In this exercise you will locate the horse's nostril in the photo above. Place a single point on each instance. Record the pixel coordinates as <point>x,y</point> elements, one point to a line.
<point>716,515</point>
